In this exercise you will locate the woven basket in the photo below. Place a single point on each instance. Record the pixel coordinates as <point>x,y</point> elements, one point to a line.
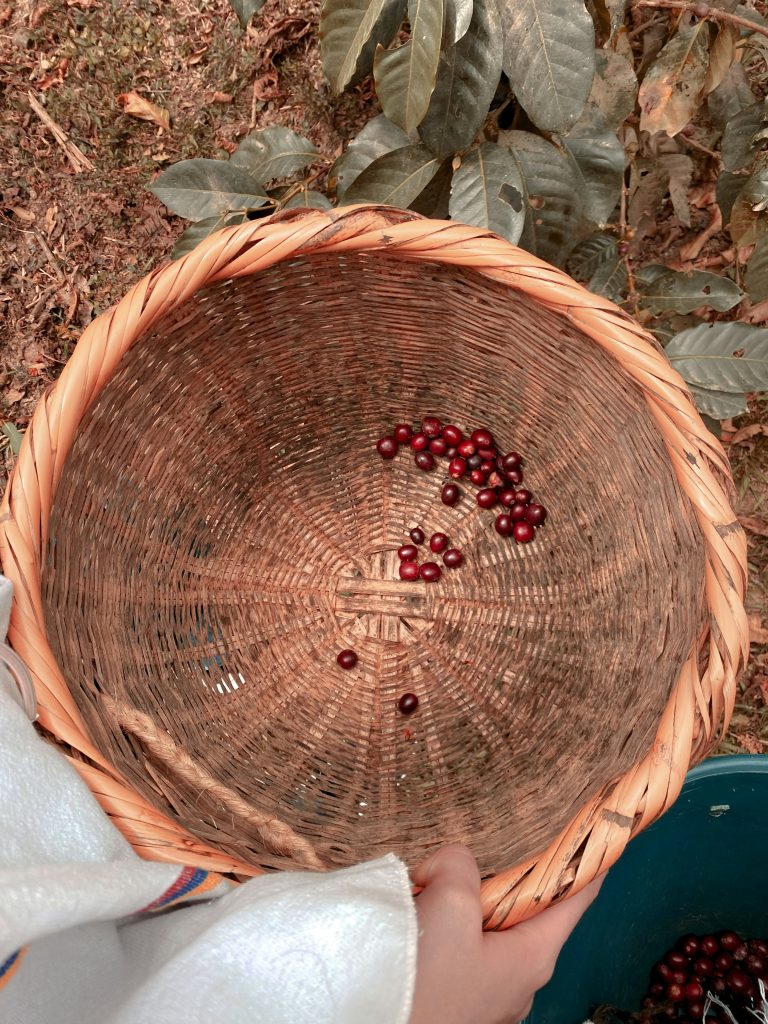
<point>198,522</point>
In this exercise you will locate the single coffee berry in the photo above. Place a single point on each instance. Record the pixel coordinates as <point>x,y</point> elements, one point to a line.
<point>709,945</point>
<point>387,447</point>
<point>453,558</point>
<point>347,659</point>
<point>523,532</point>
<point>517,511</point>
<point>408,703</point>
<point>524,496</point>
<point>510,461</point>
<point>431,426</point>
<point>457,468</point>
<point>409,571</point>
<point>488,453</point>
<point>451,453</point>
<point>407,552</point>
<point>487,498</point>
<point>430,572</point>
<point>474,461</point>
<point>503,524</point>
<point>419,442</point>
<point>482,438</point>
<point>417,535</point>
<point>515,476</point>
<point>452,434</point>
<point>535,515</point>
<point>403,433</point>
<point>424,460</point>
<point>507,497</point>
<point>449,494</point>
<point>487,465</point>
<point>438,446</point>
<point>438,542</point>
<point>728,941</point>
<point>478,477</point>
<point>466,449</point>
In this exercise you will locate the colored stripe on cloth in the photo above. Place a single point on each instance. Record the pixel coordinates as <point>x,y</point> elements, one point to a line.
<point>192,882</point>
<point>11,965</point>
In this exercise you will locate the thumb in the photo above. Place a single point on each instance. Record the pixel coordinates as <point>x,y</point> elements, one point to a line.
<point>451,882</point>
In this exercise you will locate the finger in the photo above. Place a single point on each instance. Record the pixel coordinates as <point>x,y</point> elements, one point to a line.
<point>451,881</point>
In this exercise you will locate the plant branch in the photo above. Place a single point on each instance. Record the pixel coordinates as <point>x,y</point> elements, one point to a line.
<point>712,12</point>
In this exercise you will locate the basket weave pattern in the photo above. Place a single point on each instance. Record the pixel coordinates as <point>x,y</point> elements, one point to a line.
<point>197,523</point>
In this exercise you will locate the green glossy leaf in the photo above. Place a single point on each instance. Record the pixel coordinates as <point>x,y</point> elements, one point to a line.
<point>743,134</point>
<point>467,78</point>
<point>345,27</point>
<point>434,200</point>
<point>395,178</point>
<point>705,356</point>
<point>591,254</point>
<point>549,58</point>
<point>382,34</point>
<point>554,205</point>
<point>674,84</point>
<point>195,233</point>
<point>405,78</point>
<point>756,277</point>
<point>378,137</point>
<point>245,9</point>
<point>610,279</point>
<point>719,405</point>
<point>676,292</point>
<point>197,189</point>
<point>488,191</point>
<point>14,435</point>
<point>458,15</point>
<point>749,220</point>
<point>599,164</point>
<point>310,199</point>
<point>273,153</point>
<point>614,87</point>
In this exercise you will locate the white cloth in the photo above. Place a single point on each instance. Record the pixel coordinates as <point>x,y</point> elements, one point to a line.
<point>292,948</point>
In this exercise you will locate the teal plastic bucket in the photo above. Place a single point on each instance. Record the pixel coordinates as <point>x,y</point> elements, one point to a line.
<point>700,868</point>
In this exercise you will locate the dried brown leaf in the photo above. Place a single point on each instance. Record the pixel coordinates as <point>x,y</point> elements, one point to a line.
<point>721,56</point>
<point>38,14</point>
<point>137,106</point>
<point>753,430</point>
<point>674,85</point>
<point>25,216</point>
<point>757,634</point>
<point>749,742</point>
<point>13,396</point>
<point>753,525</point>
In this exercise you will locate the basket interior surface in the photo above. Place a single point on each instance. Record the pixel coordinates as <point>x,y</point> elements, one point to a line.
<point>224,527</point>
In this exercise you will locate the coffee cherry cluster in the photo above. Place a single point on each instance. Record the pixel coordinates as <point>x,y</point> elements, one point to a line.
<point>430,572</point>
<point>478,460</point>
<point>724,965</point>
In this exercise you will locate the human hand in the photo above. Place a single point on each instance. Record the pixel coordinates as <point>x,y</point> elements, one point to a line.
<point>465,975</point>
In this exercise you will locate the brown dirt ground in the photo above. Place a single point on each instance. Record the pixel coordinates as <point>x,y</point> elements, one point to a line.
<point>72,243</point>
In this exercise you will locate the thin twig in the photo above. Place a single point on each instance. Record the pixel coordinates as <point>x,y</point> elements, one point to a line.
<point>712,12</point>
<point>79,161</point>
<point>700,146</point>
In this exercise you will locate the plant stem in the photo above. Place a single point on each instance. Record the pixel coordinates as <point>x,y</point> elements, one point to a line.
<point>688,141</point>
<point>718,15</point>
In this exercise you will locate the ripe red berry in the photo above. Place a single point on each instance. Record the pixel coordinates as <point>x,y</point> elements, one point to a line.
<point>507,497</point>
<point>417,535</point>
<point>728,941</point>
<point>424,460</point>
<point>689,944</point>
<point>515,476</point>
<point>758,946</point>
<point>488,453</point>
<point>438,542</point>
<point>523,495</point>
<point>457,468</point>
<point>482,438</point>
<point>523,532</point>
<point>487,498</point>
<point>738,981</point>
<point>675,992</point>
<point>409,571</point>
<point>696,1010</point>
<point>487,465</point>
<point>478,477</point>
<point>535,515</point>
<point>387,447</point>
<point>408,703</point>
<point>723,962</point>
<point>703,966</point>
<point>503,524</point>
<point>452,434</point>
<point>431,426</point>
<point>347,659</point>
<point>517,511</point>
<point>449,494</point>
<point>430,572</point>
<point>474,461</point>
<point>402,433</point>
<point>755,965</point>
<point>451,453</point>
<point>511,461</point>
<point>741,951</point>
<point>419,442</point>
<point>709,945</point>
<point>452,558</point>
<point>717,984</point>
<point>678,977</point>
<point>407,552</point>
<point>438,446</point>
<point>693,991</point>
<point>466,449</point>
<point>676,959</point>
<point>657,989</point>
